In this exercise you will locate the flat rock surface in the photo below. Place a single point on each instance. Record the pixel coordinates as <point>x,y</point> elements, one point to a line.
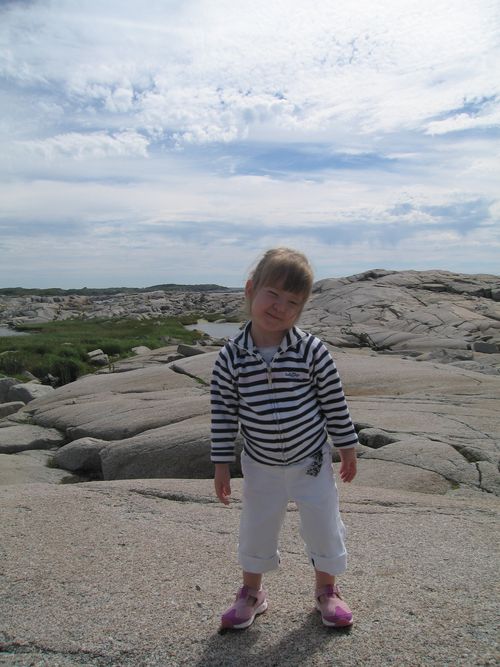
<point>135,574</point>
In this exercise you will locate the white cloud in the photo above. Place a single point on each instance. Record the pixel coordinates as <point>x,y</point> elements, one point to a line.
<point>208,71</point>
<point>121,118</point>
<point>92,145</point>
<point>464,121</point>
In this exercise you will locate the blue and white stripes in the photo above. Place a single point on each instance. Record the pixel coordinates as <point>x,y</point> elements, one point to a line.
<point>284,411</point>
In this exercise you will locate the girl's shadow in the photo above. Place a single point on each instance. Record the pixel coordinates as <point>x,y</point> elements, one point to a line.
<point>239,647</point>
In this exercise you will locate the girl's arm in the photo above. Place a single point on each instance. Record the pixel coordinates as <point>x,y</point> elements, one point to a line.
<point>224,407</point>
<point>331,398</point>
<point>222,482</point>
<point>348,464</point>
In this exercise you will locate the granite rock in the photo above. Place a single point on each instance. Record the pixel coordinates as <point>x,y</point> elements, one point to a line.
<point>10,408</point>
<point>28,391</point>
<point>136,573</point>
<point>82,455</point>
<point>5,385</point>
<point>432,419</point>
<point>19,437</point>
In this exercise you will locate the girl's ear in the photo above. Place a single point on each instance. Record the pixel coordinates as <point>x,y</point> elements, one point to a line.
<point>249,289</point>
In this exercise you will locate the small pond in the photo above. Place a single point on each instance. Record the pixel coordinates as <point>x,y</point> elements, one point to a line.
<point>5,331</point>
<point>216,329</point>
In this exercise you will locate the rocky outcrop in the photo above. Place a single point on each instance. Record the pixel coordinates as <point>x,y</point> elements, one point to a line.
<point>425,416</point>
<point>433,426</point>
<point>409,311</point>
<point>140,305</point>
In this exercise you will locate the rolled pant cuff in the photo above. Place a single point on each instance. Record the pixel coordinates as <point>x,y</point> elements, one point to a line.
<point>333,566</point>
<point>258,565</point>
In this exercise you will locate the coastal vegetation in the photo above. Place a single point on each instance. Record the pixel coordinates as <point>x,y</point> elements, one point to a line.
<point>57,352</point>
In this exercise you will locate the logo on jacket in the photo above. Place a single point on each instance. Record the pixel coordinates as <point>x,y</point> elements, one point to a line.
<point>291,374</point>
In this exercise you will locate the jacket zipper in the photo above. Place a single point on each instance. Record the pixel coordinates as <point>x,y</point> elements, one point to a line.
<point>275,407</point>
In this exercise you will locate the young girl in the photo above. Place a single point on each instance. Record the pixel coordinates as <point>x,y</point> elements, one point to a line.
<point>280,386</point>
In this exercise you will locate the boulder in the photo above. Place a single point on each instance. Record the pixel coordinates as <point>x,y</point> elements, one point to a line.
<point>199,366</point>
<point>117,406</point>
<point>110,416</point>
<point>180,450</point>
<point>7,409</point>
<point>28,392</point>
<point>19,437</point>
<point>81,455</point>
<point>428,455</point>
<point>95,353</point>
<point>5,385</point>
<point>141,349</point>
<point>98,358</point>
<point>139,381</point>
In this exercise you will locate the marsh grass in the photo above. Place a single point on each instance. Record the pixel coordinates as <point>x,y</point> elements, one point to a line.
<point>59,349</point>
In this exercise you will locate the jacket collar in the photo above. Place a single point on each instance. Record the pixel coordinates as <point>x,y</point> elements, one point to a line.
<point>290,339</point>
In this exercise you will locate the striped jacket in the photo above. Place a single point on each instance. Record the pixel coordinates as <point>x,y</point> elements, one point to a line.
<point>286,410</point>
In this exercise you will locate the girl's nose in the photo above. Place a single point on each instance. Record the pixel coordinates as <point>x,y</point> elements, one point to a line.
<point>279,305</point>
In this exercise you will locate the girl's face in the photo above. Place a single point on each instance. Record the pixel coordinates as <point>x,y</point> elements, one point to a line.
<point>273,310</point>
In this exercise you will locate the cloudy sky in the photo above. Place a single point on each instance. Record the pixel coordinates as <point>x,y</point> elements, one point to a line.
<point>174,140</point>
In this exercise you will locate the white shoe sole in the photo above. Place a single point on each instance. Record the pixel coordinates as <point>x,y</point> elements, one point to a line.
<point>260,610</point>
<point>331,624</point>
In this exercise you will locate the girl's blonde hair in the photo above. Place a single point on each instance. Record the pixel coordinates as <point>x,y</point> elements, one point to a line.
<point>284,268</point>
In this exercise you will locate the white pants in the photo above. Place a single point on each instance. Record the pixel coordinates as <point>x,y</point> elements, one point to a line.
<point>266,492</point>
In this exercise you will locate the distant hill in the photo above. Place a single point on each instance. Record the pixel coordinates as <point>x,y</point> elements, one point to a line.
<point>96,291</point>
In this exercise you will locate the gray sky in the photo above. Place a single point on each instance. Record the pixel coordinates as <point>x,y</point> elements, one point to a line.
<point>175,140</point>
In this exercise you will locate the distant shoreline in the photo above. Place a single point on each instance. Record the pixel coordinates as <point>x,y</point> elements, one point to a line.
<point>112,291</point>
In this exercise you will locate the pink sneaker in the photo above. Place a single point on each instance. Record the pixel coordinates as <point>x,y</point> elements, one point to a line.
<point>249,602</point>
<point>334,611</point>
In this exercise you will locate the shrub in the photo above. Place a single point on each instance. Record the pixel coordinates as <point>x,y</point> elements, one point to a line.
<point>12,364</point>
<point>68,370</point>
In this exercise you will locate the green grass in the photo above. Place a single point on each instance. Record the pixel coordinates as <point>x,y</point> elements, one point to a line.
<point>60,348</point>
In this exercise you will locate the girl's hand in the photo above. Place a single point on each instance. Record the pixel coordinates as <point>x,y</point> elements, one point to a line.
<point>222,482</point>
<point>347,464</point>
